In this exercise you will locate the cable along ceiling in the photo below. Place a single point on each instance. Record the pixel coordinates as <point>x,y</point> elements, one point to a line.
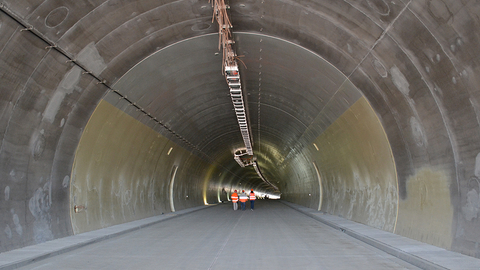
<point>243,156</point>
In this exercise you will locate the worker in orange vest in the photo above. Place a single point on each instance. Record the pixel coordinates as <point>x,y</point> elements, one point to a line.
<point>235,200</point>
<point>243,199</point>
<point>252,199</point>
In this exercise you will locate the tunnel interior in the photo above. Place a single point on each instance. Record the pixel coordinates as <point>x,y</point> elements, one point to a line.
<point>114,111</point>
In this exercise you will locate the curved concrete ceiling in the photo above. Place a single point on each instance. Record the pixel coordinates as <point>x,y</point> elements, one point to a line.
<point>365,109</point>
<point>182,86</point>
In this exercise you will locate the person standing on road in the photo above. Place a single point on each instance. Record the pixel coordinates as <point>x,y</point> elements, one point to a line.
<point>243,199</point>
<point>252,199</point>
<point>235,200</point>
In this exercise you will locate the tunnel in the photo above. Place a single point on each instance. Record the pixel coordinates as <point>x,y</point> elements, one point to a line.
<point>113,111</point>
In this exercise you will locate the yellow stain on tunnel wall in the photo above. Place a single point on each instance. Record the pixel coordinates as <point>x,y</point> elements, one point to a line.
<point>121,172</point>
<point>115,153</point>
<point>355,160</point>
<point>426,213</point>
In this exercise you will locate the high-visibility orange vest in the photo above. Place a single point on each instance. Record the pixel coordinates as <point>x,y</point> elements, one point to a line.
<point>243,197</point>
<point>234,197</point>
<point>252,196</point>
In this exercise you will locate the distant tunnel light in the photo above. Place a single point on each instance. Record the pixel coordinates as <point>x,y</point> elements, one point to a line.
<point>169,151</point>
<point>316,147</point>
<point>267,195</point>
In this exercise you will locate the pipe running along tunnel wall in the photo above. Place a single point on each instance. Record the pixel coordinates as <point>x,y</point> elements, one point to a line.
<point>114,111</point>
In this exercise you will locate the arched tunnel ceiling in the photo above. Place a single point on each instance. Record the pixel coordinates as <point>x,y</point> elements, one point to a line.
<point>287,88</point>
<point>414,63</point>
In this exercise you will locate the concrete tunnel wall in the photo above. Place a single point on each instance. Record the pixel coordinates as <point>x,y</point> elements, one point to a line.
<point>400,154</point>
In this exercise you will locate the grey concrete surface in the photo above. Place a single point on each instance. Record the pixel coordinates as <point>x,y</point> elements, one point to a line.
<point>273,236</point>
<point>415,252</point>
<point>27,255</point>
<point>412,63</point>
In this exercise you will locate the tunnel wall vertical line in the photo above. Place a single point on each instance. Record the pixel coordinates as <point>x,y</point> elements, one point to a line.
<point>319,186</point>
<point>170,193</point>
